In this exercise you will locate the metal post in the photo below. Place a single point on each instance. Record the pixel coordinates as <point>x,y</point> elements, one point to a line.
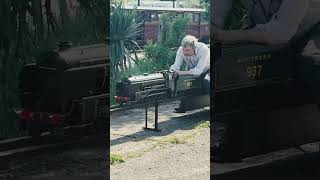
<point>146,117</point>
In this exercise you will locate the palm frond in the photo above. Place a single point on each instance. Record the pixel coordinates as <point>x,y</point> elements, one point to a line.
<point>124,27</point>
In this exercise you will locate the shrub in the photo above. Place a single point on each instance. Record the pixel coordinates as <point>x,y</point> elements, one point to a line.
<point>157,57</point>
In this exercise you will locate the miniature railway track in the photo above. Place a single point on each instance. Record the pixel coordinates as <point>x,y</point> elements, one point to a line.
<point>117,108</point>
<point>145,105</point>
<point>24,146</point>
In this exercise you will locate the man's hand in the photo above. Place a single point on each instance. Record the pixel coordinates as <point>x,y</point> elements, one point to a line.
<point>175,74</point>
<point>182,73</point>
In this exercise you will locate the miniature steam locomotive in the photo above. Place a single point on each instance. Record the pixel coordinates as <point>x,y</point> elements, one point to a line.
<point>64,87</point>
<point>158,86</point>
<point>267,97</point>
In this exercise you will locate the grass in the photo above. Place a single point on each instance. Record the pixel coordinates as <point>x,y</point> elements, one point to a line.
<point>170,140</point>
<point>202,124</point>
<point>134,154</point>
<point>182,139</point>
<point>162,142</point>
<point>116,158</point>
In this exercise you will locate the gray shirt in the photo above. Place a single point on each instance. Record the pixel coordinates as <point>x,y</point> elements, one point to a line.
<point>198,63</point>
<point>280,20</point>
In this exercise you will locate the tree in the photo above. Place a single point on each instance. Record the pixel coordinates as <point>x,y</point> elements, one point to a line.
<point>238,18</point>
<point>124,27</point>
<point>19,34</point>
<point>173,29</point>
<point>206,5</point>
<point>29,27</point>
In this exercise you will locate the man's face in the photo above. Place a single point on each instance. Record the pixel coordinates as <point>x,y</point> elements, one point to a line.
<point>188,51</point>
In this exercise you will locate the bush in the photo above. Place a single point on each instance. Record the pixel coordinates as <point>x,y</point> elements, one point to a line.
<point>173,29</point>
<point>157,57</point>
<point>161,55</point>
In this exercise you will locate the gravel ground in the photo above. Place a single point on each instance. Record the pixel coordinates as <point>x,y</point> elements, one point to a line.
<point>179,151</point>
<point>79,163</point>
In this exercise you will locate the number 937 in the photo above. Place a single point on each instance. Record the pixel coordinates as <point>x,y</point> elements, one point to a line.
<point>254,71</point>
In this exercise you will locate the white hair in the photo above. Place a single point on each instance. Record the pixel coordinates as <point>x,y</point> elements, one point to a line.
<point>189,41</point>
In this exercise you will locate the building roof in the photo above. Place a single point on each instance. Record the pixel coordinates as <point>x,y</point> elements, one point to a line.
<point>165,9</point>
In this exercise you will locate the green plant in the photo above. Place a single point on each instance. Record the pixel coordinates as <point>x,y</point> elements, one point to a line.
<point>174,139</point>
<point>202,124</point>
<point>116,158</point>
<point>206,5</point>
<point>124,27</point>
<point>160,55</point>
<point>174,29</point>
<point>157,57</point>
<point>238,18</point>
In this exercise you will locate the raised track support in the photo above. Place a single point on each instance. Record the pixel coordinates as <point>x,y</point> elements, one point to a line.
<point>156,115</point>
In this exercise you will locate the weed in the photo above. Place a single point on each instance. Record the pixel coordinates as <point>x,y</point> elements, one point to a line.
<point>202,124</point>
<point>116,158</point>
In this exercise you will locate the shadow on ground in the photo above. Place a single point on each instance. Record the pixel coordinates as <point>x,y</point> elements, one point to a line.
<point>185,122</point>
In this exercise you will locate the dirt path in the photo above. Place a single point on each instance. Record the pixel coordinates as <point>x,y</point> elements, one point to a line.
<point>179,151</point>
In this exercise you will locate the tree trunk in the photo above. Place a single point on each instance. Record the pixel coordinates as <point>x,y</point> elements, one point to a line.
<point>4,31</point>
<point>63,13</point>
<point>37,18</point>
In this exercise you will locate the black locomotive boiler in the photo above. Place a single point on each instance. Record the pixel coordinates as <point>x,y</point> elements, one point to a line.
<point>65,86</point>
<point>157,86</point>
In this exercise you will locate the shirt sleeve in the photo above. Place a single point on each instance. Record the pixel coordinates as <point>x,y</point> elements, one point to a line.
<point>179,60</point>
<point>285,22</point>
<point>220,10</point>
<point>203,55</point>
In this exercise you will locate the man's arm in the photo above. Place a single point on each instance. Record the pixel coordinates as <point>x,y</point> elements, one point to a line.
<point>280,29</point>
<point>203,56</point>
<point>178,62</point>
<point>235,36</point>
<point>184,73</point>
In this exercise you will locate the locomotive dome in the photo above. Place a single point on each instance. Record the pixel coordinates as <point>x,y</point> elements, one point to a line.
<point>66,56</point>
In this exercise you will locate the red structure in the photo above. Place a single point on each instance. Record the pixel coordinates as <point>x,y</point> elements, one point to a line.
<point>151,27</point>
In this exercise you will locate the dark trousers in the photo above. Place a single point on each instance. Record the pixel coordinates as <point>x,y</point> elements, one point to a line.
<point>206,81</point>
